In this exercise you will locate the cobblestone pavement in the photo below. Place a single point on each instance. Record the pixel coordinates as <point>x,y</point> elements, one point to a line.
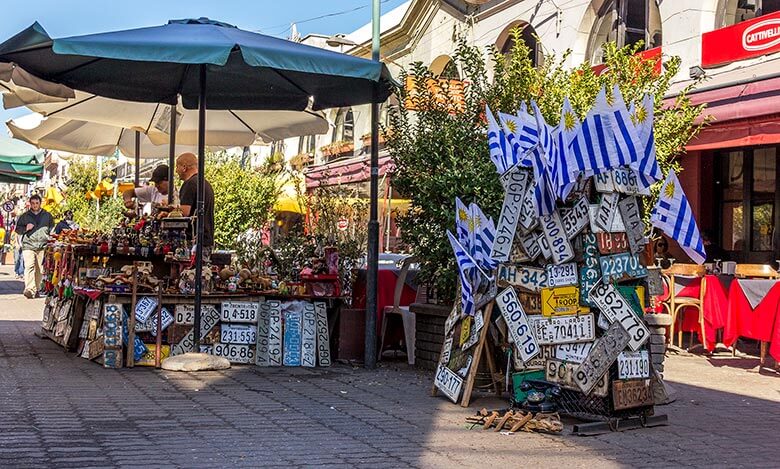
<point>57,410</point>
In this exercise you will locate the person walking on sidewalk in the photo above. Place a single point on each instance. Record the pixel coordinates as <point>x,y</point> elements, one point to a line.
<point>34,227</point>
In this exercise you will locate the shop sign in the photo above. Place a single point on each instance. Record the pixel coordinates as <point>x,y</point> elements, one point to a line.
<point>448,382</point>
<point>517,324</point>
<point>576,218</point>
<point>144,307</point>
<point>561,275</point>
<point>752,38</point>
<point>531,245</point>
<point>562,373</point>
<point>612,243</point>
<point>618,310</point>
<point>556,237</point>
<point>590,273</point>
<point>633,393</point>
<point>633,364</point>
<point>563,329</point>
<point>309,336</point>
<point>562,301</point>
<point>238,334</point>
<point>323,335</point>
<point>207,322</point>
<point>617,266</point>
<point>601,357</point>
<point>574,353</point>
<point>239,311</point>
<point>235,353</point>
<point>261,346</point>
<point>292,338</point>
<point>528,218</point>
<point>632,220</point>
<point>617,222</point>
<point>510,213</point>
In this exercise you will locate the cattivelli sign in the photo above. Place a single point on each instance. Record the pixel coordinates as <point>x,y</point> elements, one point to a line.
<point>759,36</point>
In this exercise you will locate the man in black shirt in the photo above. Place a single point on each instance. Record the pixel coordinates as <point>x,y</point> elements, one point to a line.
<point>34,227</point>
<point>187,169</point>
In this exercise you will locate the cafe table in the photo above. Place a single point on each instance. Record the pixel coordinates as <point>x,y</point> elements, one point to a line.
<point>753,314</point>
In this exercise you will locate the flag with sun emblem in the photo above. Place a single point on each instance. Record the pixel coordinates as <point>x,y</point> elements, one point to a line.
<point>647,166</point>
<point>522,134</point>
<point>543,154</point>
<point>500,150</point>
<point>672,214</point>
<point>463,223</point>
<point>484,235</point>
<point>468,270</point>
<point>564,176</point>
<point>627,141</point>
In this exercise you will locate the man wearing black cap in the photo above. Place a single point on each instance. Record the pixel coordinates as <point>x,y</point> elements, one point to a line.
<point>156,194</point>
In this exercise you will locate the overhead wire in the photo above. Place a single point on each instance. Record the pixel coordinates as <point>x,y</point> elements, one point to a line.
<point>288,26</point>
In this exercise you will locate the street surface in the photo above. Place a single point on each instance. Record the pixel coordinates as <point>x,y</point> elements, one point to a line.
<point>57,410</point>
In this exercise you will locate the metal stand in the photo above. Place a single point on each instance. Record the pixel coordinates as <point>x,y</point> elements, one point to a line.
<point>620,424</point>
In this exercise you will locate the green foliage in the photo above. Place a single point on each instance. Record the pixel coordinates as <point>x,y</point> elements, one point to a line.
<point>441,154</point>
<point>243,198</point>
<point>90,215</point>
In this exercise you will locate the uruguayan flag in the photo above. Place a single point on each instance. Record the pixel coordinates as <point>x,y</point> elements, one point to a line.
<point>467,268</point>
<point>647,167</point>
<point>542,154</point>
<point>522,135</point>
<point>672,214</point>
<point>463,221</point>
<point>484,235</point>
<point>627,141</point>
<point>593,150</point>
<point>564,176</point>
<point>500,150</point>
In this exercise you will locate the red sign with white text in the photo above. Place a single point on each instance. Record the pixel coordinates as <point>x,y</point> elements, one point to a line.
<point>753,38</point>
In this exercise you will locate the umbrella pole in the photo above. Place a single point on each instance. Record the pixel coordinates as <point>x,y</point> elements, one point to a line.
<point>137,158</point>
<point>171,155</point>
<point>200,205</point>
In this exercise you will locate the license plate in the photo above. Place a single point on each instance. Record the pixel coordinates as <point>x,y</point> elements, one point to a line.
<point>633,365</point>
<point>561,275</point>
<point>261,346</point>
<point>633,393</point>
<point>574,353</point>
<point>144,307</point>
<point>576,218</point>
<point>309,336</point>
<point>446,349</point>
<point>531,246</point>
<point>562,301</point>
<point>632,220</point>
<point>626,182</point>
<point>611,243</point>
<point>655,285</point>
<point>185,314</point>
<point>617,222</point>
<point>465,330</point>
<point>562,373</point>
<point>235,353</point>
<point>448,382</point>
<point>590,273</point>
<point>617,266</point>
<point>601,357</point>
<point>603,182</point>
<point>528,218</point>
<point>517,324</point>
<point>208,320</point>
<point>618,310</point>
<point>516,183</point>
<point>539,362</point>
<point>323,336</point>
<point>607,210</point>
<point>112,325</point>
<point>275,333</point>
<point>560,247</point>
<point>544,246</point>
<point>235,311</point>
<point>531,302</point>
<point>238,334</point>
<point>151,324</point>
<point>563,329</point>
<point>292,338</point>
<point>528,278</point>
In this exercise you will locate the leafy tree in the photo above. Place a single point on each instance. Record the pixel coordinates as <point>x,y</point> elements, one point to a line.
<point>440,150</point>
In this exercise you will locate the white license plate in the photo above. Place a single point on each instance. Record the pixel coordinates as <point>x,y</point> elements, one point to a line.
<point>145,307</point>
<point>576,218</point>
<point>209,318</point>
<point>560,247</point>
<point>235,353</point>
<point>564,329</point>
<point>528,278</point>
<point>448,382</point>
<point>618,310</point>
<point>601,357</point>
<point>528,218</point>
<point>238,334</point>
<point>617,222</point>
<point>261,346</point>
<point>323,336</point>
<point>185,314</point>
<point>625,181</point>
<point>446,349</point>
<point>239,311</point>
<point>517,324</point>
<point>633,364</point>
<point>574,353</point>
<point>603,182</point>
<point>275,333</point>
<point>531,246</point>
<point>618,265</point>
<point>561,275</point>
<point>292,338</point>
<point>632,220</point>
<point>562,373</point>
<point>309,336</point>
<point>510,214</point>
<point>607,210</point>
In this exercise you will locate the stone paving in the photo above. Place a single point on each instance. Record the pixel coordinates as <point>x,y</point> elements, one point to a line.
<point>57,410</point>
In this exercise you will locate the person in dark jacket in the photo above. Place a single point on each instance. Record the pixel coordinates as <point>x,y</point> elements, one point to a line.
<point>34,227</point>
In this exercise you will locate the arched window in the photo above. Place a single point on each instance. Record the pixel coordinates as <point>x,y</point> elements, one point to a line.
<point>735,11</point>
<point>443,67</point>
<point>625,22</point>
<point>505,42</point>
<point>344,128</point>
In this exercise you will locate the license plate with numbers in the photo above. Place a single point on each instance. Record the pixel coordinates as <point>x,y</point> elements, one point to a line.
<point>576,218</point>
<point>145,307</point>
<point>590,273</point>
<point>562,301</point>
<point>235,311</point>
<point>528,218</point>
<point>532,302</point>
<point>633,393</point>
<point>516,182</point>
<point>448,382</point>
<point>309,336</point>
<point>601,357</point>
<point>208,320</point>
<point>625,181</point>
<point>275,333</point>
<point>564,329</point>
<point>235,353</point>
<point>607,210</point>
<point>562,373</point>
<point>528,278</point>
<point>611,243</point>
<point>292,337</point>
<point>323,335</point>
<point>517,324</point>
<point>261,346</point>
<point>655,286</point>
<point>574,353</point>
<point>561,275</point>
<point>632,220</point>
<point>603,182</point>
<point>617,266</point>
<point>556,238</point>
<point>531,246</point>
<point>618,310</point>
<point>238,334</point>
<point>185,314</point>
<point>633,364</point>
<point>544,246</point>
<point>617,222</point>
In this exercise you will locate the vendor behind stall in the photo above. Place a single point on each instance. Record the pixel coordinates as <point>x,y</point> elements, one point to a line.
<point>150,194</point>
<point>187,169</point>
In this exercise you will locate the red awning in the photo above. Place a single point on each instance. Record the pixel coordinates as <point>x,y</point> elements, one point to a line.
<point>348,171</point>
<point>740,133</point>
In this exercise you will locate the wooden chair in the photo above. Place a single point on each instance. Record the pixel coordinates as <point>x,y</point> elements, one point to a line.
<point>407,317</point>
<point>756,271</point>
<point>674,304</point>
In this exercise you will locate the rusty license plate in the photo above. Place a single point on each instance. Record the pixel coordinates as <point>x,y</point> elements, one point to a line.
<point>632,393</point>
<point>612,243</point>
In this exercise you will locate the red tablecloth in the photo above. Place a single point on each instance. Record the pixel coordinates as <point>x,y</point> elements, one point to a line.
<point>385,290</point>
<point>760,323</point>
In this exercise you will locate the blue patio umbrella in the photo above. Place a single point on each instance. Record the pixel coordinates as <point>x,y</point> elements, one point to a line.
<point>207,63</point>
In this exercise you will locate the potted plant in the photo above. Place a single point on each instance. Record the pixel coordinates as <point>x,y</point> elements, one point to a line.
<point>326,150</point>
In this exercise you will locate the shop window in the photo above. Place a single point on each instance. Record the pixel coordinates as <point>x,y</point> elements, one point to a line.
<point>306,144</point>
<point>344,128</point>
<point>506,42</point>
<point>736,11</point>
<point>625,22</point>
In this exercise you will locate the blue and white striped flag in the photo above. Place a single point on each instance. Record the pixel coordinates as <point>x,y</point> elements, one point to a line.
<point>592,151</point>
<point>522,135</point>
<point>647,167</point>
<point>564,176</point>
<point>484,235</point>
<point>672,214</point>
<point>500,150</point>
<point>627,141</point>
<point>462,222</point>
<point>542,155</point>
<point>467,268</point>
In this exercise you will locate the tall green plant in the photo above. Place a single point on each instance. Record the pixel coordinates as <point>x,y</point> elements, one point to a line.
<point>440,150</point>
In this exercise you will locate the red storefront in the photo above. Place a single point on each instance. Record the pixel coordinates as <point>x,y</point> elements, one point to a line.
<point>731,171</point>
